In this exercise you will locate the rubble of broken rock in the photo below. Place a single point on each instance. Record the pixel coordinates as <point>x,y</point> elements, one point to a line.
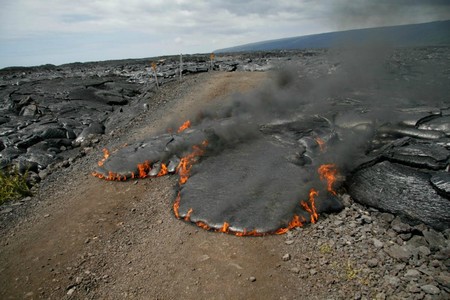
<point>363,253</point>
<point>50,114</point>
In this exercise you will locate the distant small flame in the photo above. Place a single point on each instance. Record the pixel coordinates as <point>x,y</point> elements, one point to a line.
<point>111,176</point>
<point>163,170</point>
<point>311,207</point>
<point>321,144</point>
<point>202,225</point>
<point>188,215</point>
<point>328,172</point>
<point>225,227</point>
<point>185,126</point>
<point>294,223</point>
<point>176,206</point>
<point>249,233</point>
<point>105,157</point>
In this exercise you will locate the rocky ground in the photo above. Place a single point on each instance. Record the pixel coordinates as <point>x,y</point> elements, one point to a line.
<point>79,237</point>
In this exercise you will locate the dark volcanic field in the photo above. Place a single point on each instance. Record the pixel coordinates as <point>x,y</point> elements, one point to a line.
<point>383,115</point>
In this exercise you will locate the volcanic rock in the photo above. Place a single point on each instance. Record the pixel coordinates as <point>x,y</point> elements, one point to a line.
<point>30,141</point>
<point>53,133</point>
<point>430,289</point>
<point>435,240</point>
<point>173,164</point>
<point>29,110</point>
<point>94,128</point>
<point>402,191</point>
<point>400,227</point>
<point>440,124</point>
<point>422,155</point>
<point>410,131</point>
<point>4,119</point>
<point>286,257</point>
<point>412,273</point>
<point>373,262</point>
<point>443,280</point>
<point>441,182</point>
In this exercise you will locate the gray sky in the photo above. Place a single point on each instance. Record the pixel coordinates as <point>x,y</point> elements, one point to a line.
<point>34,32</point>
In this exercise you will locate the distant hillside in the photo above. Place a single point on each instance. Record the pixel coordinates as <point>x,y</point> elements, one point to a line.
<point>425,34</point>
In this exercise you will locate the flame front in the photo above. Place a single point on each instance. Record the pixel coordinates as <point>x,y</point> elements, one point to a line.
<point>202,225</point>
<point>111,176</point>
<point>185,165</point>
<point>143,169</point>
<point>185,126</point>
<point>188,215</point>
<point>321,144</point>
<point>311,207</point>
<point>225,228</point>
<point>163,170</point>
<point>176,206</point>
<point>105,157</point>
<point>328,172</point>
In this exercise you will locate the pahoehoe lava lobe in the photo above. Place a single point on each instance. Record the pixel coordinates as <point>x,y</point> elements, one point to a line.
<point>252,187</point>
<point>160,149</point>
<point>254,182</point>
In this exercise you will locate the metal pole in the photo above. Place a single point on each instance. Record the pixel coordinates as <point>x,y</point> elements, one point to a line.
<point>181,66</point>
<point>154,73</point>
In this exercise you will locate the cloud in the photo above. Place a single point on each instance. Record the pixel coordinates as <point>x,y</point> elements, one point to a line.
<point>128,28</point>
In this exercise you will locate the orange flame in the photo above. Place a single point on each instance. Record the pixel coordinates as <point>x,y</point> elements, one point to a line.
<point>328,172</point>
<point>185,126</point>
<point>176,206</point>
<point>202,225</point>
<point>143,169</point>
<point>188,215</point>
<point>185,165</point>
<point>311,207</point>
<point>105,157</point>
<point>249,233</point>
<point>163,170</point>
<point>225,228</point>
<point>321,144</point>
<point>111,176</point>
<point>295,222</point>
